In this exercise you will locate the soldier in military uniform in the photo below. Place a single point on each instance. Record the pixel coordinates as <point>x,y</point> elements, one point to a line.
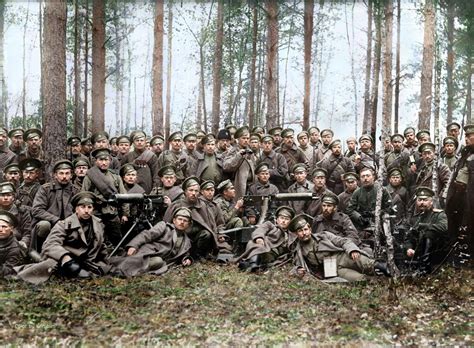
<point>275,132</point>
<point>10,253</point>
<point>175,156</point>
<point>26,192</point>
<point>208,165</point>
<point>410,140</point>
<point>399,195</point>
<point>426,240</point>
<point>448,154</point>
<point>191,153</point>
<point>101,181</point>
<point>351,183</point>
<point>323,151</point>
<point>351,150</point>
<point>169,189</point>
<point>365,156</point>
<point>276,162</point>
<point>223,141</point>
<point>11,173</point>
<point>100,140</point>
<point>336,165</point>
<point>157,142</point>
<point>86,147</point>
<point>301,185</point>
<point>313,207</point>
<point>232,212</point>
<point>33,139</point>
<point>399,157</point>
<point>314,137</point>
<point>81,166</point>
<point>303,140</point>
<point>17,145</point>
<point>262,187</point>
<point>270,244</point>
<point>423,136</point>
<point>6,155</point>
<point>74,149</point>
<point>123,144</point>
<point>254,144</point>
<point>291,152</point>
<point>453,130</point>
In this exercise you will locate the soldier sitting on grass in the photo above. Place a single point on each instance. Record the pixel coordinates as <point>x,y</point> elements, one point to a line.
<point>10,254</point>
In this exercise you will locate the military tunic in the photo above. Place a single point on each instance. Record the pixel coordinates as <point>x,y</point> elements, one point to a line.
<point>10,255</point>
<point>306,187</point>
<point>336,166</point>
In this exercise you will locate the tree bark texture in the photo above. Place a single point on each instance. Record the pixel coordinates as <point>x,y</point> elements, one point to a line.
<point>54,81</point>
<point>376,72</point>
<point>85,117</point>
<point>397,69</point>
<point>78,123</point>
<point>3,113</point>
<point>98,65</point>
<point>253,66</point>
<point>427,66</point>
<point>169,72</point>
<point>368,70</point>
<point>157,99</point>
<point>217,69</point>
<point>308,40</point>
<point>272,63</point>
<point>387,69</point>
<point>450,62</point>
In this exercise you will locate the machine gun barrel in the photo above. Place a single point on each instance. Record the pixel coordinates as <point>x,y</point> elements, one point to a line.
<point>301,196</point>
<point>136,198</point>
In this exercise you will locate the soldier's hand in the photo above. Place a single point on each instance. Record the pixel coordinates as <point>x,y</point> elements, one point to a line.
<point>357,159</point>
<point>167,200</point>
<point>221,239</point>
<point>355,255</point>
<point>186,262</point>
<point>410,252</point>
<point>65,259</point>
<point>300,272</point>
<point>124,219</point>
<point>239,204</point>
<point>259,241</point>
<point>131,251</point>
<point>413,168</point>
<point>23,245</point>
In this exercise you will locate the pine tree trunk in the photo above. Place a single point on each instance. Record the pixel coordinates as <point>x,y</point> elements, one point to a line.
<point>253,67</point>
<point>169,71</point>
<point>217,69</point>
<point>54,80</point>
<point>40,29</point>
<point>397,69</point>
<point>203,88</point>
<point>437,90</point>
<point>368,68</point>
<point>272,63</point>
<point>3,113</point>
<point>157,100</point>
<point>376,72</point>
<point>427,66</point>
<point>98,65</point>
<point>118,68</point>
<point>128,115</point>
<point>23,93</point>
<point>86,72</point>
<point>308,39</point>
<point>470,86</point>
<point>77,71</point>
<point>450,62</point>
<point>387,69</point>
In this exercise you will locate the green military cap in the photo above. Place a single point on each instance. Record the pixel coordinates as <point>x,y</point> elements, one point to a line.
<point>16,132</point>
<point>190,181</point>
<point>30,164</point>
<point>312,129</point>
<point>350,176</point>
<point>157,139</point>
<point>9,218</point>
<point>255,136</point>
<point>100,153</point>
<point>262,167</point>
<point>113,141</point>
<point>231,128</point>
<point>302,133</point>
<point>267,138</point>
<point>298,168</point>
<point>175,136</point>
<point>208,139</point>
<point>319,172</point>
<point>395,172</point>
<point>224,185</point>
<point>73,140</point>
<point>275,131</point>
<point>12,168</point>
<point>409,130</point>
<point>327,130</point>
<point>207,184</point>
<point>427,147</point>
<point>126,169</point>
<point>251,212</point>
<point>453,125</point>
<point>422,132</point>
<point>334,143</point>
<point>200,133</point>
<point>99,136</point>
<point>285,211</point>
<point>137,135</point>
<point>223,134</point>
<point>330,198</point>
<point>7,187</point>
<point>32,133</point>
<point>123,139</point>
<point>81,162</point>
<point>468,129</point>
<point>258,129</point>
<point>287,132</point>
<point>167,170</point>
<point>351,139</point>
<point>366,137</point>
<point>299,221</point>
<point>83,198</point>
<point>86,141</point>
<point>450,140</point>
<point>424,192</point>
<point>190,137</point>
<point>397,137</point>
<point>183,212</point>
<point>242,131</point>
<point>62,164</point>
<point>3,131</point>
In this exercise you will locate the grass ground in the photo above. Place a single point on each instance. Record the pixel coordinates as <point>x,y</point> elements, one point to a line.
<point>214,305</point>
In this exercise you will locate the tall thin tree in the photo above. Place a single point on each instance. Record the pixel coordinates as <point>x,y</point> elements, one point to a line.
<point>376,71</point>
<point>368,68</point>
<point>78,123</point>
<point>217,68</point>
<point>253,65</point>
<point>3,113</point>
<point>157,99</point>
<point>397,69</point>
<point>387,69</point>
<point>98,65</point>
<point>450,60</point>
<point>272,63</point>
<point>169,72</point>
<point>308,40</point>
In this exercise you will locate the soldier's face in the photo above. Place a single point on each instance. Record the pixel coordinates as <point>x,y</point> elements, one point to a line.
<point>230,193</point>
<point>367,178</point>
<point>244,140</point>
<point>34,142</point>
<point>304,233</point>
<point>424,203</point>
<point>423,139</point>
<point>63,176</point>
<point>365,144</point>
<point>139,143</point>
<point>314,137</point>
<point>288,140</point>
<point>336,150</point>
<point>277,138</point>
<point>123,148</point>
<point>81,171</point>
<point>6,230</point>
<point>6,199</point>
<point>208,193</point>
<point>223,144</point>
<point>103,162</point>
<point>327,138</point>
<point>76,149</point>
<point>263,176</point>
<point>351,145</point>
<point>192,193</point>
<point>410,137</point>
<point>13,177</point>
<point>84,211</point>
<point>454,132</point>
<point>176,144</point>
<point>469,138</point>
<point>328,209</point>
<point>190,144</point>
<point>351,185</point>
<point>300,177</point>
<point>157,147</point>
<point>267,146</point>
<point>397,145</point>
<point>3,139</point>
<point>395,180</point>
<point>254,145</point>
<point>181,223</point>
<point>102,144</point>
<point>210,148</point>
<point>30,176</point>
<point>428,156</point>
<point>303,140</point>
<point>319,181</point>
<point>168,180</point>
<point>17,141</point>
<point>283,221</point>
<point>449,149</point>
<point>130,178</point>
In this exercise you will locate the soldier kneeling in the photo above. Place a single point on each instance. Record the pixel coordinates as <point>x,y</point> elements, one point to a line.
<point>352,264</point>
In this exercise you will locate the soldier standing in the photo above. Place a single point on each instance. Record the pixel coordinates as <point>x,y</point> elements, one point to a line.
<point>351,183</point>
<point>301,185</point>
<point>30,168</point>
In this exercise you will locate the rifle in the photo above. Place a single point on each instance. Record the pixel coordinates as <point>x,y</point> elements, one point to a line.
<point>434,176</point>
<point>243,237</point>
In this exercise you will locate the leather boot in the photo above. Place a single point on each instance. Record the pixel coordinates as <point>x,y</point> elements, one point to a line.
<point>382,268</point>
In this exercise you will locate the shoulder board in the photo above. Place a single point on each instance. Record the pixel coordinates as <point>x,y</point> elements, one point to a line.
<point>438,210</point>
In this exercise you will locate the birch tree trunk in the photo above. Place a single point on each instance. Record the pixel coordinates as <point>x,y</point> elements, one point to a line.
<point>157,99</point>
<point>272,63</point>
<point>308,39</point>
<point>98,65</point>
<point>54,81</point>
<point>217,69</point>
<point>427,66</point>
<point>387,69</point>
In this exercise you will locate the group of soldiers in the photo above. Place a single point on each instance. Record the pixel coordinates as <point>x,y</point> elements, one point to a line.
<point>134,204</point>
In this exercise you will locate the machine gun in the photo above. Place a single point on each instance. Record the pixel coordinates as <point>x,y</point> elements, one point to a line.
<point>146,212</point>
